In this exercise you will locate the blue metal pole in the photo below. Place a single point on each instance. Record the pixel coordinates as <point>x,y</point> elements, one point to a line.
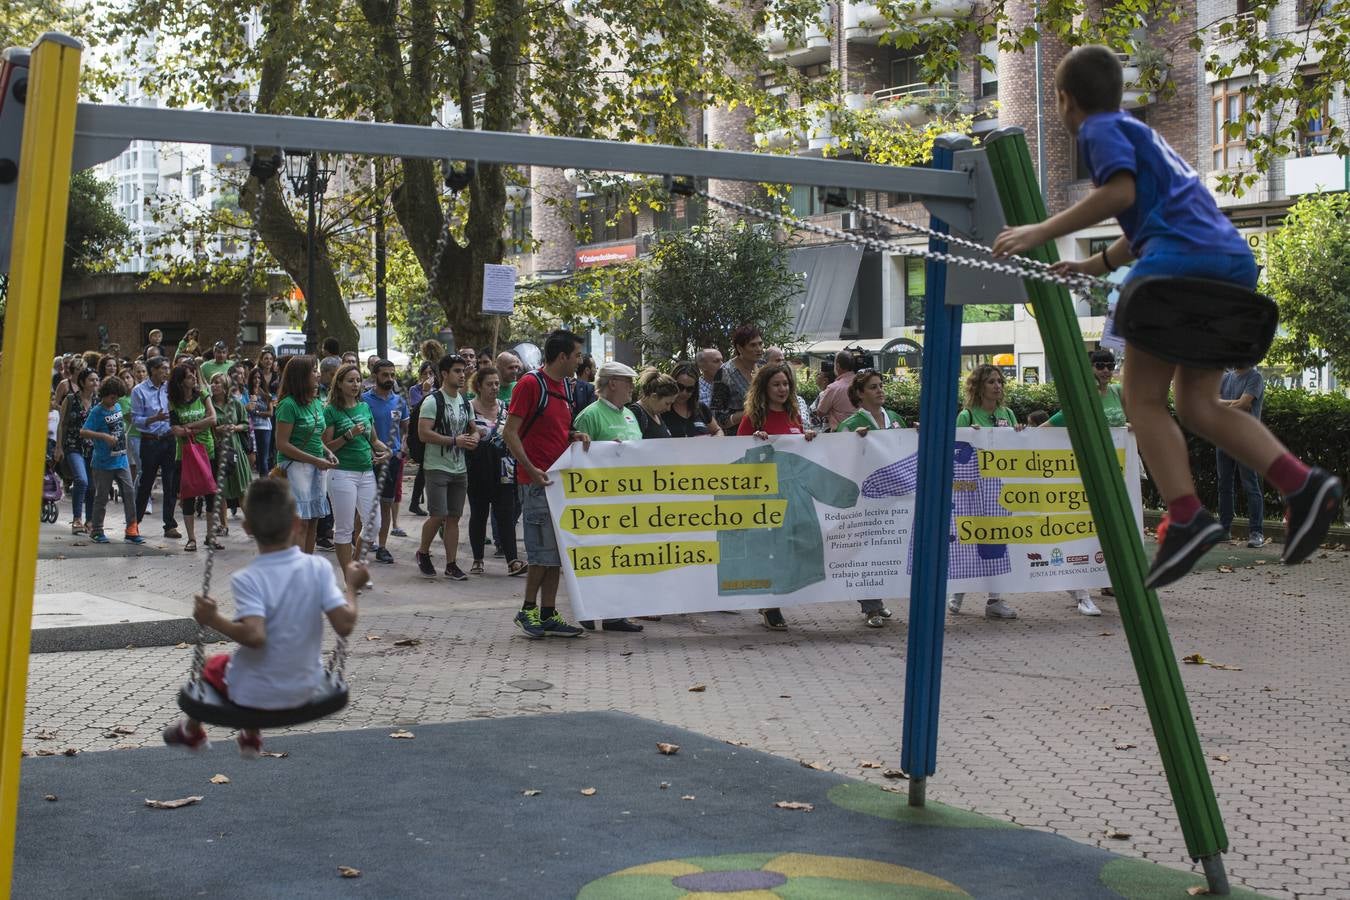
<point>933,504</point>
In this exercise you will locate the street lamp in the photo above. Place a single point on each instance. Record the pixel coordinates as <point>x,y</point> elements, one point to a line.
<point>309,180</point>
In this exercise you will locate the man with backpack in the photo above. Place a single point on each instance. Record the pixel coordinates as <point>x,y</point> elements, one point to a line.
<point>538,430</point>
<point>445,431</point>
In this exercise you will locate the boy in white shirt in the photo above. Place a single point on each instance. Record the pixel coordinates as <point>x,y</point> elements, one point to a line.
<point>280,601</point>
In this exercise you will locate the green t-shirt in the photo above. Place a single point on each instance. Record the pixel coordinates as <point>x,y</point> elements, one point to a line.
<point>1112,404</point>
<point>307,425</point>
<point>357,454</point>
<point>863,419</point>
<point>967,417</point>
<point>212,368</point>
<point>186,414</point>
<point>132,430</point>
<point>457,418</point>
<point>603,422</point>
<point>504,393</point>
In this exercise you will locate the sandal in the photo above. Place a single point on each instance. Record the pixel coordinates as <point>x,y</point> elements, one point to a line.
<point>516,567</point>
<point>77,527</point>
<point>190,547</point>
<point>214,544</point>
<point>476,568</point>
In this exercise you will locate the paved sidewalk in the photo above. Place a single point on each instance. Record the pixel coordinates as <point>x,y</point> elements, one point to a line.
<point>1042,723</point>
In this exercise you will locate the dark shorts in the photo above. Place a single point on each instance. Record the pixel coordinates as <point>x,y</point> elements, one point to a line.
<point>393,482</point>
<point>446,493</point>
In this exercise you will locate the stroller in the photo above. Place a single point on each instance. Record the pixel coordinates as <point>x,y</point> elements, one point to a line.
<point>52,491</point>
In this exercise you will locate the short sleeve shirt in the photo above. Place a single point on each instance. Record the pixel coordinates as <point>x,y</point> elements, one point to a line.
<point>1235,384</point>
<point>388,414</point>
<point>109,421</point>
<point>357,453</point>
<point>863,419</point>
<point>1002,417</point>
<point>605,422</point>
<point>1112,406</point>
<point>456,419</point>
<point>186,414</point>
<point>307,424</point>
<point>543,437</point>
<point>776,421</point>
<point>1170,202</point>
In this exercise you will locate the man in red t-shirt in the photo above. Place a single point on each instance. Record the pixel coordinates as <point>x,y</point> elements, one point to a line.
<point>536,438</point>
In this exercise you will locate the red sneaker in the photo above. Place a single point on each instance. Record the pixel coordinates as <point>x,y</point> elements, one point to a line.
<point>177,735</point>
<point>250,743</point>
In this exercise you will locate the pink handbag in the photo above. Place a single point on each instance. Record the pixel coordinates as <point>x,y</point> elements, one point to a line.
<point>195,477</point>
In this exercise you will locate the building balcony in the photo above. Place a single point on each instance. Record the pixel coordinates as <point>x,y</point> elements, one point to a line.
<point>915,104</point>
<point>816,134</point>
<point>864,23</point>
<point>1320,170</point>
<point>812,47</point>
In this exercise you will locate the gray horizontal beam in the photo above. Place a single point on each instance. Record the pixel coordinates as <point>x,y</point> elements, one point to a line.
<point>105,123</point>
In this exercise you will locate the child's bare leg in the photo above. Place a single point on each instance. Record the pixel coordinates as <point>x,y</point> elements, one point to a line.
<point>1145,384</point>
<point>1236,432</point>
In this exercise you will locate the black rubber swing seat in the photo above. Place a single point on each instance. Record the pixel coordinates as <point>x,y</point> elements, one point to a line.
<point>200,701</point>
<point>1197,322</point>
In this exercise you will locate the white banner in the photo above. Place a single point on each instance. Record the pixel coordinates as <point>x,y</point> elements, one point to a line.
<point>499,289</point>
<point>686,525</point>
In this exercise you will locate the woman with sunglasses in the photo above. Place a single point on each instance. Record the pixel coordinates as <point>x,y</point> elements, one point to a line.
<point>1104,370</point>
<point>687,417</point>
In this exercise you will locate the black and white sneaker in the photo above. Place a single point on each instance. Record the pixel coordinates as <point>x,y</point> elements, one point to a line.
<point>384,556</point>
<point>1309,512</point>
<point>1182,547</point>
<point>455,573</point>
<point>326,545</point>
<point>425,565</point>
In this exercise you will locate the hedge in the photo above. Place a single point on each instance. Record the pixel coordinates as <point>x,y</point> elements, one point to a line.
<point>1315,427</point>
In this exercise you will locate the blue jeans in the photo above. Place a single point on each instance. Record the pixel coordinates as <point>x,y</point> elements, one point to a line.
<point>81,491</point>
<point>1251,482</point>
<point>262,437</point>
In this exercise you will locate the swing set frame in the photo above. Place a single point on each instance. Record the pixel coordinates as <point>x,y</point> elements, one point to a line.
<point>969,191</point>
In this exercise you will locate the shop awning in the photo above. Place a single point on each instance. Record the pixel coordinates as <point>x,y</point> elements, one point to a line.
<point>827,289</point>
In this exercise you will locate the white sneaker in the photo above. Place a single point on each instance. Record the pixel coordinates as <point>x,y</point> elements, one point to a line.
<point>1087,607</point>
<point>954,605</point>
<point>999,610</point>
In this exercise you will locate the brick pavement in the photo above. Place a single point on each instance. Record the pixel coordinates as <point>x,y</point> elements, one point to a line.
<point>1033,709</point>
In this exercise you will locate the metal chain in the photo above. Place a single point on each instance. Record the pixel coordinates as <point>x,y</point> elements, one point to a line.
<point>1090,282</point>
<point>987,265</point>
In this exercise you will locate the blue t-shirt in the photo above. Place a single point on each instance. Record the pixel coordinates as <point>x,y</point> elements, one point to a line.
<point>386,413</point>
<point>1170,204</point>
<point>1235,384</point>
<point>108,421</point>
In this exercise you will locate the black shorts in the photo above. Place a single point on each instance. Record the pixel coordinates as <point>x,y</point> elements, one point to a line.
<point>391,482</point>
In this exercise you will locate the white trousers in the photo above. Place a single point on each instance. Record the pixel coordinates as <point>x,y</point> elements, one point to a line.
<point>352,493</point>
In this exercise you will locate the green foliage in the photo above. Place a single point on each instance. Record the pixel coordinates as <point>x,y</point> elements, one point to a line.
<point>1307,271</point>
<point>709,280</point>
<point>96,235</point>
<point>868,135</point>
<point>22,22</point>
<point>414,314</point>
<point>593,297</point>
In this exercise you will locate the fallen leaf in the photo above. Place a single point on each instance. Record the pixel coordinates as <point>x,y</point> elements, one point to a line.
<point>738,743</point>
<point>1225,668</point>
<point>220,779</point>
<point>274,754</point>
<point>531,792</point>
<point>408,642</point>
<point>668,749</point>
<point>50,798</point>
<point>892,789</point>
<point>588,792</point>
<point>626,653</point>
<point>1117,835</point>
<point>180,646</point>
<point>1268,690</point>
<point>1105,633</point>
<point>43,751</point>
<point>665,785</point>
<point>1195,659</point>
<point>870,764</point>
<point>172,804</point>
<point>372,637</point>
<point>70,751</point>
<point>687,797</point>
<point>698,689</point>
<point>1222,757</point>
<point>1123,746</point>
<point>1198,890</point>
<point>892,773</point>
<point>1226,570</point>
<point>403,735</point>
<point>45,736</point>
<point>793,804</point>
<point>1102,708</point>
<point>784,696</point>
<point>349,872</point>
<point>818,766</point>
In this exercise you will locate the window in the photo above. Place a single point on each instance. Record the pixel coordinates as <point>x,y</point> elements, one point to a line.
<point>905,70</point>
<point>805,201</point>
<point>1230,103</point>
<point>989,76</point>
<point>1312,10</point>
<point>520,228</point>
<point>915,284</point>
<point>607,218</point>
<point>1244,7</point>
<point>1314,124</point>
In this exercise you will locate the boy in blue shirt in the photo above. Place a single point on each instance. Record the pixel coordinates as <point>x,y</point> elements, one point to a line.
<point>1173,227</point>
<point>107,429</point>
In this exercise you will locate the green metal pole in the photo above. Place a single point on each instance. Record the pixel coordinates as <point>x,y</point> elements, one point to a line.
<point>1140,612</point>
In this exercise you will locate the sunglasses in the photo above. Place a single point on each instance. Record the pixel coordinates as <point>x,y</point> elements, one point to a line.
<point>1103,366</point>
<point>686,388</point>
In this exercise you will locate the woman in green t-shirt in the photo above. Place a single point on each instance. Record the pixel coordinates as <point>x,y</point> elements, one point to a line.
<point>349,433</point>
<point>867,392</point>
<point>192,417</point>
<point>233,446</point>
<point>984,409</point>
<point>301,455</point>
<point>1113,405</point>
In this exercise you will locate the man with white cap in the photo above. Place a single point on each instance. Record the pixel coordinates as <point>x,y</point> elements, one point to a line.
<point>610,419</point>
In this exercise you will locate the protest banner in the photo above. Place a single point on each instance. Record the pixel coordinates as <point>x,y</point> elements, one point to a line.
<point>669,526</point>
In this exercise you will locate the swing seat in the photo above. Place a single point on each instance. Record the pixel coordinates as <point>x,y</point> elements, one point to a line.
<point>1197,322</point>
<point>200,701</point>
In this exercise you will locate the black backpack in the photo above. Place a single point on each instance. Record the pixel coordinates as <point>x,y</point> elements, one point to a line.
<point>544,394</point>
<point>418,450</point>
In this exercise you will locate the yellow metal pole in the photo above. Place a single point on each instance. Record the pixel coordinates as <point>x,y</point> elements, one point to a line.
<point>25,375</point>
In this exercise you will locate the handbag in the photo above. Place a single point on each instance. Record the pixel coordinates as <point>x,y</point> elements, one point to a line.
<point>195,476</point>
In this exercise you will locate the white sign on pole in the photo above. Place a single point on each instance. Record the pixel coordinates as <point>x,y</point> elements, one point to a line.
<point>499,289</point>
